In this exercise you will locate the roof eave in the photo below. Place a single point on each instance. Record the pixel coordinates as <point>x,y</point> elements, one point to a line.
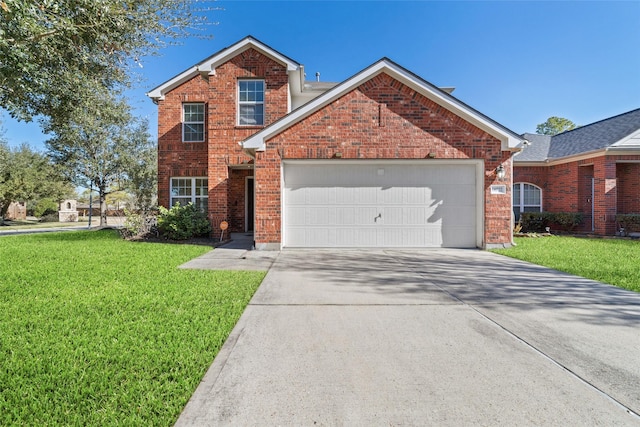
<point>530,163</point>
<point>207,67</point>
<point>510,141</point>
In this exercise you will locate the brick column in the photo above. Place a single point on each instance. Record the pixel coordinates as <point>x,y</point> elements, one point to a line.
<point>268,216</point>
<point>218,186</point>
<point>605,196</point>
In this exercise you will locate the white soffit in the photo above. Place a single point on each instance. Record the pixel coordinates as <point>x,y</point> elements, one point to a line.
<point>208,66</point>
<point>510,140</point>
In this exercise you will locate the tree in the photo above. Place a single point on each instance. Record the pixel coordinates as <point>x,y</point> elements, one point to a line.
<point>59,54</point>
<point>29,175</point>
<point>99,146</point>
<point>143,172</point>
<point>555,125</point>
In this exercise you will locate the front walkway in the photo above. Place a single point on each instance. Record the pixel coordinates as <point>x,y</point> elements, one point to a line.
<point>235,255</point>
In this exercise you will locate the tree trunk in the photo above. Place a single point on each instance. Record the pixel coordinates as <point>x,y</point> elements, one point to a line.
<point>4,207</point>
<point>103,208</point>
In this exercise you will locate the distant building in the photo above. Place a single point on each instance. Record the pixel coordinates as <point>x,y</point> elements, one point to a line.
<point>68,211</point>
<point>17,211</point>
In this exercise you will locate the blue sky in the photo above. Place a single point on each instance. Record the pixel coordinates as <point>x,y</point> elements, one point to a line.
<point>518,62</point>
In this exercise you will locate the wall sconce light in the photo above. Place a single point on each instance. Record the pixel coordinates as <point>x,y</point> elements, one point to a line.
<point>500,172</point>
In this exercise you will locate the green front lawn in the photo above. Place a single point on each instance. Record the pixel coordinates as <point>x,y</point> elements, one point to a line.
<point>95,330</point>
<point>612,261</point>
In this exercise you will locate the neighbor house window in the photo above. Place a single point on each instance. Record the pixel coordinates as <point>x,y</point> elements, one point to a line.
<point>251,102</point>
<point>190,190</point>
<point>526,198</point>
<point>193,122</point>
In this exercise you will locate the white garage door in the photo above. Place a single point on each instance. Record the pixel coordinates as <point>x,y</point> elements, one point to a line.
<point>355,204</point>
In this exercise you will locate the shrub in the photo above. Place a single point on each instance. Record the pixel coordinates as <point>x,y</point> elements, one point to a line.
<point>538,221</point>
<point>182,222</point>
<point>567,221</point>
<point>532,221</point>
<point>51,217</point>
<point>139,225</point>
<point>630,222</point>
<point>44,207</point>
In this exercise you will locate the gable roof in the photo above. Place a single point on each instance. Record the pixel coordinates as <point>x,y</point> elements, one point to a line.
<point>621,132</point>
<point>537,150</point>
<point>510,140</point>
<point>208,66</point>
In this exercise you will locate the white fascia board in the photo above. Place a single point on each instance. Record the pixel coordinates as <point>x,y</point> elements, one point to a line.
<point>208,66</point>
<point>157,94</point>
<point>510,140</point>
<point>247,43</point>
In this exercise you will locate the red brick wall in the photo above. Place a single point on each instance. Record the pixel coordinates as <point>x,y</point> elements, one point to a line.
<point>567,188</point>
<point>585,196</point>
<point>605,198</point>
<point>221,149</point>
<point>177,158</point>
<point>381,119</point>
<point>628,175</point>
<point>536,175</point>
<point>562,188</point>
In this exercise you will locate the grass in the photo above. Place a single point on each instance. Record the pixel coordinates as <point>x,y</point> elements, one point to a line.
<point>95,330</point>
<point>613,261</point>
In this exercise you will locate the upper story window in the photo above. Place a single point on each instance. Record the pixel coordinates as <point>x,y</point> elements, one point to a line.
<point>526,198</point>
<point>251,102</point>
<point>193,122</point>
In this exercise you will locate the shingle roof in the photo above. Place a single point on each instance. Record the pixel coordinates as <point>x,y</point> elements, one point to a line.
<point>592,137</point>
<point>536,151</point>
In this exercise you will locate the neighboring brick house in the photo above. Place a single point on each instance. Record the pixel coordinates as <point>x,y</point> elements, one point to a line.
<point>594,170</point>
<point>383,159</point>
<point>16,211</point>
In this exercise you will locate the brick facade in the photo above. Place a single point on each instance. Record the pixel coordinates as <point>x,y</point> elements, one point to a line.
<point>216,157</point>
<point>598,187</point>
<point>628,176</point>
<point>381,119</point>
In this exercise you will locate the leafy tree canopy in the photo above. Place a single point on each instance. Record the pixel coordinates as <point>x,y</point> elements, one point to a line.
<point>101,146</point>
<point>57,54</point>
<point>555,125</point>
<point>27,175</point>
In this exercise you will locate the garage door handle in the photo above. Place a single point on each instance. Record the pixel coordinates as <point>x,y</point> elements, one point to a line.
<point>376,218</point>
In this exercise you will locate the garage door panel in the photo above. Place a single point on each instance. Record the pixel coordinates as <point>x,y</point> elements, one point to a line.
<point>380,205</point>
<point>460,237</point>
<point>453,217</point>
<point>461,195</point>
<point>416,195</point>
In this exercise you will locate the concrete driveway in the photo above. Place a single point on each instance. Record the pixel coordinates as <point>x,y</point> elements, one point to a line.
<point>429,337</point>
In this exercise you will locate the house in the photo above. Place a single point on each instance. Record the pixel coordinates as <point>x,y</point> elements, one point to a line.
<point>382,159</point>
<point>16,211</point>
<point>593,170</point>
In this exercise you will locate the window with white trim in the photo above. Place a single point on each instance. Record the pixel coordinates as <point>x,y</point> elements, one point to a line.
<point>250,102</point>
<point>190,190</point>
<point>193,122</point>
<point>526,198</point>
